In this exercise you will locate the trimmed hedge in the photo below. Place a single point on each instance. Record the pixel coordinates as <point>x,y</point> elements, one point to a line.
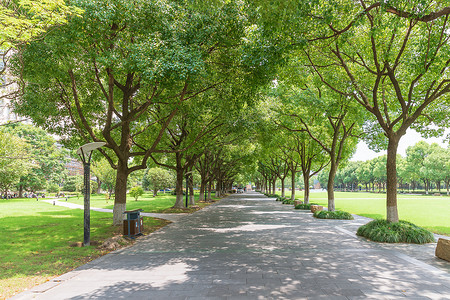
<point>340,215</point>
<point>400,232</point>
<point>305,206</point>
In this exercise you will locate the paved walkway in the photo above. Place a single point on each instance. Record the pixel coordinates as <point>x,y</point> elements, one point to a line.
<point>251,247</point>
<point>170,217</point>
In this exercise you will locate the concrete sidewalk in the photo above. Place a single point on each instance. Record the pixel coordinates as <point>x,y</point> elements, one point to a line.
<point>248,246</point>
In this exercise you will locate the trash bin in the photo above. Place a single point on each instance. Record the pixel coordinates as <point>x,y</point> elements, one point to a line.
<point>133,225</point>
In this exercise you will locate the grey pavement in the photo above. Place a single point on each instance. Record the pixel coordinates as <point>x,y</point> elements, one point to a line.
<point>248,246</point>
<point>170,217</point>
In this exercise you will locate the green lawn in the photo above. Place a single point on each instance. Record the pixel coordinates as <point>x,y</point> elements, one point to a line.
<point>35,241</point>
<point>431,212</point>
<point>159,204</point>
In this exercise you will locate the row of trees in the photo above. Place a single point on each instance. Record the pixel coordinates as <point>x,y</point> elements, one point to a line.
<point>423,165</point>
<point>386,61</point>
<point>177,83</point>
<point>30,160</point>
<point>162,82</point>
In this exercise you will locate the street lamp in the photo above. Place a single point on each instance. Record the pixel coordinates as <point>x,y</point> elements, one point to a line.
<point>85,153</point>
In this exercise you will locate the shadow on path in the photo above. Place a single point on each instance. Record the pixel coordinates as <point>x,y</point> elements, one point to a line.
<point>250,247</point>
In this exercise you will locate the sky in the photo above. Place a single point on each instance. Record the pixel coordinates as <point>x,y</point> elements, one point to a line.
<point>409,139</point>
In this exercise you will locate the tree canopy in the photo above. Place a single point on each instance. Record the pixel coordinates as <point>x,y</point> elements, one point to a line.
<point>209,86</point>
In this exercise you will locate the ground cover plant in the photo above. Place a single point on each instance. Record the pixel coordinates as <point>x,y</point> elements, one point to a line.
<point>398,232</point>
<point>429,212</point>
<point>337,214</point>
<point>36,239</point>
<point>305,206</point>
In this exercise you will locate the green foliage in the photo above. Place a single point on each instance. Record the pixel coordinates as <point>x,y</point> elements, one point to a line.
<point>106,174</point>
<point>157,178</point>
<point>305,206</point>
<point>287,200</point>
<point>136,192</point>
<point>132,68</point>
<point>52,188</point>
<point>73,184</point>
<point>93,186</point>
<point>14,160</point>
<point>399,232</point>
<point>48,160</point>
<point>341,215</point>
<point>22,20</point>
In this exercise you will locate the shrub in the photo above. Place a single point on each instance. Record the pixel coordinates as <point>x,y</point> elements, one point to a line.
<point>305,206</point>
<point>341,215</point>
<point>53,188</point>
<point>287,201</point>
<point>400,232</point>
<point>136,192</point>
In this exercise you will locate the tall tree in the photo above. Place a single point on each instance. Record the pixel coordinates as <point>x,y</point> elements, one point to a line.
<point>391,58</point>
<point>23,21</point>
<point>14,160</point>
<point>327,117</point>
<point>158,178</point>
<point>120,72</point>
<point>105,174</point>
<point>48,159</point>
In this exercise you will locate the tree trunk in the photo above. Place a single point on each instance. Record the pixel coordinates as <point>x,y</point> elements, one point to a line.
<point>99,186</point>
<point>218,184</point>
<point>293,185</point>
<point>274,186</point>
<point>155,192</point>
<point>179,203</point>
<point>447,186</point>
<point>330,186</point>
<point>202,191</point>
<point>20,191</point>
<point>391,181</point>
<point>191,190</point>
<point>306,193</point>
<point>209,190</point>
<point>120,200</point>
<point>282,187</point>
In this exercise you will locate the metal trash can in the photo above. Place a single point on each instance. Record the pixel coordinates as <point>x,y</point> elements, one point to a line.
<point>133,225</point>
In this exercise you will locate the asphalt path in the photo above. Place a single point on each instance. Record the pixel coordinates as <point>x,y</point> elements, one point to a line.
<point>248,246</point>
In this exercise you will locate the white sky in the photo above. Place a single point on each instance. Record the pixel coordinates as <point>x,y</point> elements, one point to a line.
<point>409,139</point>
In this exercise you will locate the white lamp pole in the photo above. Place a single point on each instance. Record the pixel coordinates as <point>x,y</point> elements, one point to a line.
<point>85,153</point>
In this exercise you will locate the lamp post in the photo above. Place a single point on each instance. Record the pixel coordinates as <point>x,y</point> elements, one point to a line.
<point>85,153</point>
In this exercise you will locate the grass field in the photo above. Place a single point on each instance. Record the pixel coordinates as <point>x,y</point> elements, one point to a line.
<point>160,204</point>
<point>36,238</point>
<point>431,212</point>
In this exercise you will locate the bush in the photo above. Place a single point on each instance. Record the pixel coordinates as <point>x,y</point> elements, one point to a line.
<point>341,215</point>
<point>136,192</point>
<point>53,188</point>
<point>400,232</point>
<point>287,201</point>
<point>305,206</point>
<point>73,184</point>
